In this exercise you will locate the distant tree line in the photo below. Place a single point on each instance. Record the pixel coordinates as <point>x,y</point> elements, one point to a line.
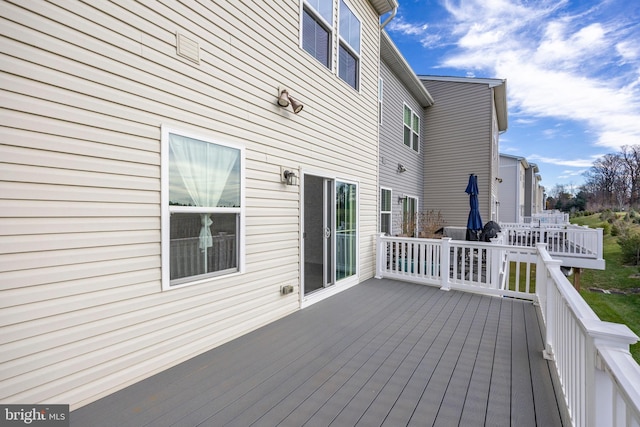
<point>613,182</point>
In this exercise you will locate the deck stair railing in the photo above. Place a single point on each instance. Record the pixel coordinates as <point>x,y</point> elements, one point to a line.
<point>598,379</point>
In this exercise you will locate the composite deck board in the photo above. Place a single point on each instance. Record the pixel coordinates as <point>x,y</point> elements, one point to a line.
<point>381,353</point>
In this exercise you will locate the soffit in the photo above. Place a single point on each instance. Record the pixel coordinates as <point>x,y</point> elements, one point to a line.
<point>391,56</point>
<point>383,6</point>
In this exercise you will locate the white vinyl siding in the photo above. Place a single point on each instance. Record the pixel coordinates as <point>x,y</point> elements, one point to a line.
<point>84,313</point>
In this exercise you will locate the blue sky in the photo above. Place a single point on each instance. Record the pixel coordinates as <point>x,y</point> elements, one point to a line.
<point>572,70</point>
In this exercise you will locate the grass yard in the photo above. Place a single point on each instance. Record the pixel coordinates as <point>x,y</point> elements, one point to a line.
<point>621,305</point>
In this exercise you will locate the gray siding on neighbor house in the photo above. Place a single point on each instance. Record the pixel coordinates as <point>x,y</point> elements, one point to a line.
<point>86,87</point>
<point>457,143</point>
<point>393,151</point>
<point>508,189</point>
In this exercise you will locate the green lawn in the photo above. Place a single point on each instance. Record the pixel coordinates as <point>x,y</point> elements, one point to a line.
<point>613,307</point>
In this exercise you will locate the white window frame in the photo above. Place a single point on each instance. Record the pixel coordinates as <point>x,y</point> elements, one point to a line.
<point>336,40</point>
<point>331,26</point>
<point>166,210</point>
<point>380,99</point>
<point>342,42</point>
<point>389,212</point>
<point>415,136</point>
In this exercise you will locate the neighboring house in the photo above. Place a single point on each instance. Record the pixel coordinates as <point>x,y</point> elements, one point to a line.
<point>403,100</point>
<point>512,189</point>
<point>520,193</point>
<point>461,137</point>
<point>145,217</point>
<point>533,191</point>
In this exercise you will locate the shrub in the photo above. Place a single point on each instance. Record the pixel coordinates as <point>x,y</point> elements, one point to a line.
<point>615,230</point>
<point>630,248</point>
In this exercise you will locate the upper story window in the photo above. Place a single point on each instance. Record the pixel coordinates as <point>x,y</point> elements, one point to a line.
<point>317,29</point>
<point>202,209</point>
<point>349,47</point>
<point>411,129</point>
<point>320,34</point>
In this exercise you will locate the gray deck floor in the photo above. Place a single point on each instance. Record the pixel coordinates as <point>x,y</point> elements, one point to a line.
<point>381,353</point>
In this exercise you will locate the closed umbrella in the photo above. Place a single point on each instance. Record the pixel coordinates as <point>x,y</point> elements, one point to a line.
<point>474,223</point>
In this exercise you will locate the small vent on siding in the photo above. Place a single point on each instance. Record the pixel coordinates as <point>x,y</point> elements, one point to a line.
<point>188,48</point>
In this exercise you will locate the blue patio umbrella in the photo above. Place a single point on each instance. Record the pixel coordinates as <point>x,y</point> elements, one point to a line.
<point>474,223</point>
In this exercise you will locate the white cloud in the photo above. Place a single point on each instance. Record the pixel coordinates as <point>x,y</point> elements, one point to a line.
<point>556,66</point>
<point>402,26</point>
<point>576,163</point>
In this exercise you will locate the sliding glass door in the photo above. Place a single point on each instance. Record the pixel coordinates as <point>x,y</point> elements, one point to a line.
<point>330,232</point>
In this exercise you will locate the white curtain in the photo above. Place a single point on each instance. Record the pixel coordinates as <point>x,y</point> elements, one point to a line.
<point>204,169</point>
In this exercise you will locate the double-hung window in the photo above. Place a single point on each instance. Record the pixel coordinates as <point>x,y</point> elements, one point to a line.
<point>349,47</point>
<point>317,29</point>
<point>410,216</point>
<point>202,208</point>
<point>385,211</point>
<point>411,129</point>
<point>320,35</point>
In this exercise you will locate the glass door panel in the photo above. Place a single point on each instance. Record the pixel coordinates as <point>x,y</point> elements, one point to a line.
<point>346,229</point>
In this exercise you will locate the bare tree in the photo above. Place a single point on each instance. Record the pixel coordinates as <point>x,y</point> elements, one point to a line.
<point>606,180</point>
<point>631,158</point>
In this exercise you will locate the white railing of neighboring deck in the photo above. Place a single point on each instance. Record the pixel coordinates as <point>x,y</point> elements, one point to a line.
<point>565,241</point>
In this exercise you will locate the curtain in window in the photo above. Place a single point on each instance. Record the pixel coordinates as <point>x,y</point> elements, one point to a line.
<point>204,171</point>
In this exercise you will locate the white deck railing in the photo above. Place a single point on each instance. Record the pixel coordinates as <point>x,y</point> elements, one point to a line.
<point>550,217</point>
<point>563,240</point>
<point>599,379</point>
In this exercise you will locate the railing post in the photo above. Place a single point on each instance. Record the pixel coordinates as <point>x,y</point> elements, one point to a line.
<point>381,254</point>
<point>599,388</point>
<point>600,243</point>
<point>445,267</point>
<point>496,263</point>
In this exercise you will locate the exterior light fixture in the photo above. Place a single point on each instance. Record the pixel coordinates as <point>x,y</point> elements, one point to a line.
<point>284,100</point>
<point>401,168</point>
<point>290,177</point>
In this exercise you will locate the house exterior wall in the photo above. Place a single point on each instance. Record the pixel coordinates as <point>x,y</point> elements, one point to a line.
<point>86,89</point>
<point>509,189</point>
<point>393,151</point>
<point>460,137</point>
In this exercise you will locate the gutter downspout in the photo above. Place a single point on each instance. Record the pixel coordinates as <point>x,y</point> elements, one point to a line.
<point>386,21</point>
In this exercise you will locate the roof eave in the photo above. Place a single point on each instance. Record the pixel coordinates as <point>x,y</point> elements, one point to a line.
<point>383,6</point>
<point>500,97</point>
<point>390,54</point>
